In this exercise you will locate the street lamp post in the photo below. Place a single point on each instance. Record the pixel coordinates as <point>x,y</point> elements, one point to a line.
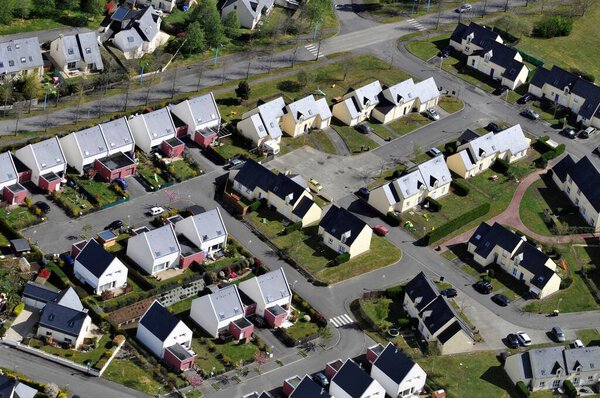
<point>217,53</point>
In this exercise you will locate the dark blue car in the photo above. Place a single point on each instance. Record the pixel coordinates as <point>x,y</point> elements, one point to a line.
<point>121,182</point>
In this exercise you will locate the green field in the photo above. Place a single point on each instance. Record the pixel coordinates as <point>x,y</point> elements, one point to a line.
<point>130,374</point>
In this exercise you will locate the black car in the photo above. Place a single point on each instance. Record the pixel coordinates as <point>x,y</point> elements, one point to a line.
<point>493,127</point>
<point>450,292</point>
<point>500,90</point>
<point>569,132</point>
<point>43,206</point>
<point>525,98</point>
<point>483,287</point>
<point>364,192</point>
<point>501,300</point>
<point>445,53</point>
<point>364,128</point>
<point>512,341</point>
<point>114,225</point>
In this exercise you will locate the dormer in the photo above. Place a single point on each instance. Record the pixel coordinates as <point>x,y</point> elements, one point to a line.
<point>345,236</point>
<point>470,37</point>
<point>487,56</point>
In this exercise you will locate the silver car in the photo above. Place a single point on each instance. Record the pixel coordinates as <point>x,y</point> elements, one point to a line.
<point>432,114</point>
<point>530,113</point>
<point>464,8</point>
<point>558,334</point>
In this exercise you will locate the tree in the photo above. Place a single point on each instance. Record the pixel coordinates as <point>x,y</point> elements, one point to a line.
<point>93,7</point>
<point>22,8</point>
<point>585,5</point>
<point>194,42</point>
<point>232,25</point>
<point>6,11</point>
<point>43,8</point>
<point>196,381</point>
<point>51,390</point>
<point>260,358</point>
<point>68,4</point>
<point>31,88</point>
<point>207,13</point>
<point>243,91</point>
<point>6,92</point>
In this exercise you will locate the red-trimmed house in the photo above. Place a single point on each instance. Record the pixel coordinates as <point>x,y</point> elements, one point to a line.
<point>272,295</point>
<point>172,148</point>
<point>202,118</point>
<point>167,337</point>
<point>206,231</point>
<point>12,192</point>
<point>119,162</point>
<point>151,129</point>
<point>221,312</point>
<point>46,161</point>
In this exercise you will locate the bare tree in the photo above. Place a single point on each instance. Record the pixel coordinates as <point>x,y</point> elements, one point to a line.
<point>51,390</point>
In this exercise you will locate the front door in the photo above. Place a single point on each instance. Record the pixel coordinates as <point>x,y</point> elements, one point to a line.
<point>492,72</point>
<point>521,277</point>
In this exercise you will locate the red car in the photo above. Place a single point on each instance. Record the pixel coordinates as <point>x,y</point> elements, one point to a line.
<point>380,230</point>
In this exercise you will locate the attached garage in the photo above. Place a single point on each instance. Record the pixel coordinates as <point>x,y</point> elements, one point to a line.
<point>36,295</point>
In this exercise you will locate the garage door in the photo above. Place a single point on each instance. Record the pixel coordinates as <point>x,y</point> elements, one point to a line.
<point>29,302</point>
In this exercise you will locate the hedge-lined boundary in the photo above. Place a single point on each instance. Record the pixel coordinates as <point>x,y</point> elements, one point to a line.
<point>454,224</point>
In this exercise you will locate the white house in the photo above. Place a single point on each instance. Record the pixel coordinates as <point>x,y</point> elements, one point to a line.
<point>357,105</point>
<point>249,12</point>
<point>343,232</point>
<point>205,230</point>
<point>305,114</point>
<point>77,52</point>
<point>272,295</point>
<point>151,129</point>
<point>46,160</point>
<point>201,116</point>
<point>397,373</point>
<point>117,136</point>
<point>351,381</point>
<point>261,125</point>
<point>98,268</point>
<point>405,97</point>
<point>155,250</point>
<point>83,147</point>
<point>21,56</point>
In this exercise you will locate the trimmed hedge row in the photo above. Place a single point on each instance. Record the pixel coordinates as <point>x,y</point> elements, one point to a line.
<point>452,225</point>
<point>341,259</point>
<point>522,390</point>
<point>393,219</point>
<point>292,227</point>
<point>434,205</point>
<point>255,205</point>
<point>461,188</point>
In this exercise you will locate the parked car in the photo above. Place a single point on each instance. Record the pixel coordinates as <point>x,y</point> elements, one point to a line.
<point>525,98</point>
<point>71,183</point>
<point>67,258</point>
<point>364,128</point>
<point>435,152</point>
<point>512,341</point>
<point>501,299</point>
<point>588,132</point>
<point>569,133</point>
<point>43,206</point>
<point>114,225</point>
<point>314,185</point>
<point>450,292</point>
<point>364,192</point>
<point>493,127</point>
<point>321,379</point>
<point>236,163</point>
<point>577,344</point>
<point>380,230</point>
<point>557,334</point>
<point>464,8</point>
<point>500,90</point>
<point>524,339</point>
<point>121,182</point>
<point>155,211</point>
<point>432,114</point>
<point>483,287</point>
<point>339,6</point>
<point>530,113</point>
<point>445,53</point>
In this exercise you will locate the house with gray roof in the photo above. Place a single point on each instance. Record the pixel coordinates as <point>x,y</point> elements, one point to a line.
<point>202,118</point>
<point>151,129</point>
<point>14,388</point>
<point>261,125</point>
<point>514,255</point>
<point>79,53</point>
<point>548,368</point>
<point>205,230</point>
<point>305,114</point>
<point>272,295</point>
<point>405,97</point>
<point>357,105</point>
<point>21,56</point>
<point>430,179</point>
<point>12,191</point>
<point>222,312</point>
<point>47,163</point>
<point>343,232</point>
<point>249,12</point>
<point>156,250</point>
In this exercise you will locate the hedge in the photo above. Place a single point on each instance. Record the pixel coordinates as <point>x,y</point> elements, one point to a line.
<point>434,205</point>
<point>293,227</point>
<point>255,205</point>
<point>18,309</point>
<point>393,219</point>
<point>570,389</point>
<point>522,390</point>
<point>456,223</point>
<point>461,188</point>
<point>501,165</point>
<point>553,26</point>
<point>341,259</point>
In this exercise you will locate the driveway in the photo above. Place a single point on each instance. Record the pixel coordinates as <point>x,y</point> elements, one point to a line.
<point>23,325</point>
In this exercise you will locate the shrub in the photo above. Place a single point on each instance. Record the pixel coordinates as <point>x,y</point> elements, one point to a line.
<point>461,188</point>
<point>456,223</point>
<point>292,227</point>
<point>255,205</point>
<point>341,258</point>
<point>501,165</point>
<point>18,309</point>
<point>570,389</point>
<point>560,149</point>
<point>434,205</point>
<point>394,292</point>
<point>450,148</point>
<point>566,282</point>
<point>553,26</point>
<point>522,390</point>
<point>393,219</point>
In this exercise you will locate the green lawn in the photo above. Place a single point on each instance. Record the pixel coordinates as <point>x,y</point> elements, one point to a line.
<point>426,49</point>
<point>130,374</point>
<point>29,25</point>
<point>324,142</point>
<point>301,329</point>
<point>74,355</point>
<point>71,199</point>
<point>206,360</point>
<point>183,306</point>
<point>387,175</point>
<point>450,104</point>
<point>19,217</point>
<point>409,123</point>
<point>383,132</point>
<point>238,351</point>
<point>288,144</point>
<point>182,170</point>
<point>156,180</point>
<point>100,190</point>
<point>589,337</point>
<point>307,249</point>
<point>544,195</point>
<point>353,139</point>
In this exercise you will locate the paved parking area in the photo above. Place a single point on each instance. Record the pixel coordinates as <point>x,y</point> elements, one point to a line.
<point>23,325</point>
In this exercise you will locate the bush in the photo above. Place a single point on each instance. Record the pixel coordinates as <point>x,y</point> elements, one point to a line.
<point>456,223</point>
<point>450,148</point>
<point>292,227</point>
<point>566,282</point>
<point>341,259</point>
<point>18,309</point>
<point>393,219</point>
<point>522,390</point>
<point>501,166</point>
<point>434,205</point>
<point>553,26</point>
<point>394,292</point>
<point>570,389</point>
<point>560,149</point>
<point>461,188</point>
<point>255,205</point>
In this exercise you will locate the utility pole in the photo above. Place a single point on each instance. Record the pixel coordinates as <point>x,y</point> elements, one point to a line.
<point>18,118</point>
<point>174,83</point>
<point>223,76</point>
<point>484,7</point>
<point>248,70</point>
<point>270,61</point>
<point>126,97</point>
<point>200,77</point>
<point>437,24</point>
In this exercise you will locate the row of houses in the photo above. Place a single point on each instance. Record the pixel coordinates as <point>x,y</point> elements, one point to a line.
<point>109,148</point>
<point>432,178</point>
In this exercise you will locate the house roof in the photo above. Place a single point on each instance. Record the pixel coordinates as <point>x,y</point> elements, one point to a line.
<point>511,139</point>
<point>268,114</point>
<point>252,175</point>
<point>88,45</point>
<point>561,168</point>
<point>342,224</point>
<point>467,136</point>
<point>307,108</point>
<point>401,92</point>
<point>158,123</point>
<point>450,331</point>
<point>405,186</point>
<point>426,90</point>
<point>586,176</point>
<point>352,379</point>
<point>117,133</point>
<point>546,361</point>
<point>209,225</point>
<point>146,24</point>
<point>48,153</point>
<point>273,285</point>
<point>161,241</point>
<point>434,172</point>
<point>132,40</point>
<point>90,142</point>
<point>504,56</point>
<point>94,258</point>
<point>70,48</point>
<point>534,260</point>
<point>8,171</point>
<point>366,95</point>
<point>394,363</point>
<point>587,358</point>
<point>179,352</point>
<point>12,388</point>
<point>20,54</point>
<point>308,388</point>
<point>226,303</point>
<point>285,188</point>
<point>69,298</point>
<point>64,319</point>
<point>556,77</point>
<point>39,292</point>
<point>420,287</point>
<point>496,235</point>
<point>159,321</point>
<point>204,109</point>
<point>20,245</point>
<point>481,34</point>
<point>303,207</point>
<point>437,314</point>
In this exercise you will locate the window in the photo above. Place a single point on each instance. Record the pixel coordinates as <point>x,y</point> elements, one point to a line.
<point>556,384</point>
<point>11,63</point>
<point>467,49</point>
<point>542,384</point>
<point>70,51</point>
<point>590,378</point>
<point>23,60</point>
<point>330,240</point>
<point>578,191</point>
<point>48,333</point>
<point>9,48</point>
<point>88,50</point>
<point>71,65</point>
<point>568,190</point>
<point>473,63</point>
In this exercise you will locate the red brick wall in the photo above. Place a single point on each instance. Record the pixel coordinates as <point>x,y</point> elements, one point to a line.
<point>185,262</point>
<point>204,140</point>
<point>236,331</point>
